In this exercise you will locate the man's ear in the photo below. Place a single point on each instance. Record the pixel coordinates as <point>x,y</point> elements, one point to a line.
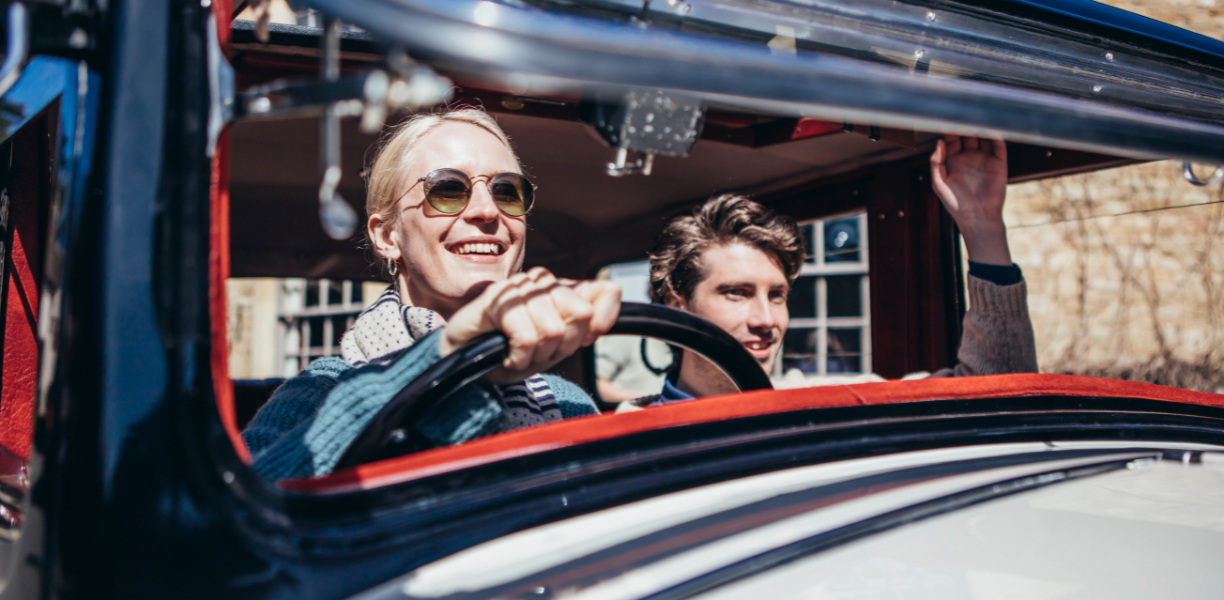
<point>382,237</point>
<point>675,301</point>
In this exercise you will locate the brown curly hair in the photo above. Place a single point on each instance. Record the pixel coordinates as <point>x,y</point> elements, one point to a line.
<point>675,260</point>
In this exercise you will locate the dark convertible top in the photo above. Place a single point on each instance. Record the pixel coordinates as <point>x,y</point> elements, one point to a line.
<point>1087,15</point>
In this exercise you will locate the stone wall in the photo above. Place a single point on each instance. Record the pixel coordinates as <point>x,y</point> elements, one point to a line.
<point>1122,283</point>
<point>1139,295</point>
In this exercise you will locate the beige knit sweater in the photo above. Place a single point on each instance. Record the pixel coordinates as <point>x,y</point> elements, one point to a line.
<point>997,336</point>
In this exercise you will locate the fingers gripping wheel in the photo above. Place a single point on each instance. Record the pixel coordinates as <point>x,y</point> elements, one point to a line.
<point>392,433</point>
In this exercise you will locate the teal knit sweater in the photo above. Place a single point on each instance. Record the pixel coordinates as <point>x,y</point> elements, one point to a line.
<point>310,421</point>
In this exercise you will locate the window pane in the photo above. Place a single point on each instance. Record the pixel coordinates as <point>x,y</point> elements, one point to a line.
<point>844,350</point>
<point>312,293</point>
<point>809,242</point>
<point>845,295</point>
<point>316,331</point>
<point>799,350</point>
<point>339,327</point>
<point>355,294</point>
<point>335,293</point>
<point>841,240</point>
<point>801,303</point>
<point>634,279</point>
<point>622,374</point>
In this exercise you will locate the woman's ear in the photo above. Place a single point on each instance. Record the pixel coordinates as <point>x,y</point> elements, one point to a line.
<point>382,236</point>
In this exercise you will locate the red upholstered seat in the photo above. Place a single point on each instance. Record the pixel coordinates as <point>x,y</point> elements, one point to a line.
<point>594,428</point>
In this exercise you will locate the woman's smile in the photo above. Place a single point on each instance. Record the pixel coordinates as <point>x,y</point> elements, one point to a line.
<point>479,250</point>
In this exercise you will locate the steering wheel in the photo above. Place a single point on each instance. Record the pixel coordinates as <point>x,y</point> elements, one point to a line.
<point>391,433</point>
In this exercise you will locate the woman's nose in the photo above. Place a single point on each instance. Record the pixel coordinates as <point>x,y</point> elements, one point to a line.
<point>481,208</point>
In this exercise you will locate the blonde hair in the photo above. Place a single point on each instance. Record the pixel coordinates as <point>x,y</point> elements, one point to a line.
<point>390,160</point>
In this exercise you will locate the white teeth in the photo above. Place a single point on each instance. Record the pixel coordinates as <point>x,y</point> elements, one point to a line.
<point>758,345</point>
<point>478,249</point>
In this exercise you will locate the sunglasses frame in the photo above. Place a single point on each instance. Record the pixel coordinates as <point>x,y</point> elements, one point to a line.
<point>471,182</point>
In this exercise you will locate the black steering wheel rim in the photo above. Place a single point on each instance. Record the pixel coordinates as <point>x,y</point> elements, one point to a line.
<point>390,433</point>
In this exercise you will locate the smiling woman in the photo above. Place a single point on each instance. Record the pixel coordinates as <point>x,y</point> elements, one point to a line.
<point>447,208</point>
<point>419,182</point>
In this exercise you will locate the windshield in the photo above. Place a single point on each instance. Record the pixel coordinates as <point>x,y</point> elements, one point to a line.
<point>1096,257</point>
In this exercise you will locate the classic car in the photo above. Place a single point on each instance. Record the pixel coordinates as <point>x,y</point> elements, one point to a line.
<point>157,149</point>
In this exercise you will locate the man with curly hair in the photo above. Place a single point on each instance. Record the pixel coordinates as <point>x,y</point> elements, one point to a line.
<point>733,261</point>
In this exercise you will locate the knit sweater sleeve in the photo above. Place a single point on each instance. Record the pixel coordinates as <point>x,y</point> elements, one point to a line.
<point>295,401</point>
<point>313,418</point>
<point>998,335</point>
<point>572,401</point>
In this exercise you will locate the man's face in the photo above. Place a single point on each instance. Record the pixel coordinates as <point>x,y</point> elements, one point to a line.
<point>744,293</point>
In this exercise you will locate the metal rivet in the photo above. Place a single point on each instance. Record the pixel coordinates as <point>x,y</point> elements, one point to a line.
<point>1109,56</point>
<point>684,9</point>
<point>261,105</point>
<point>919,53</point>
<point>881,216</point>
<point>78,39</point>
<point>900,213</point>
<point>228,477</point>
<point>1097,88</point>
<point>922,178</point>
<point>853,192</point>
<point>931,17</point>
<point>398,436</point>
<point>1049,153</point>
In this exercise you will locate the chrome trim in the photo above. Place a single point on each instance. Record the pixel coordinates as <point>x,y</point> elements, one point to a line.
<point>531,50</point>
<point>337,216</point>
<point>220,87</point>
<point>16,54</point>
<point>1188,173</point>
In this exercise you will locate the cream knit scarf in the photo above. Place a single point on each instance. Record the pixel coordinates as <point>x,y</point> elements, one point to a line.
<point>388,327</point>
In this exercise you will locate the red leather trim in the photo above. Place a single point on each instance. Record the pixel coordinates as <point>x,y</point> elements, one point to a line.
<point>22,282</point>
<point>807,128</point>
<point>223,10</point>
<point>219,264</point>
<point>594,428</point>
<point>218,273</point>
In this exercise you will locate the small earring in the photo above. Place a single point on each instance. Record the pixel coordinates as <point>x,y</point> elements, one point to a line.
<point>392,267</point>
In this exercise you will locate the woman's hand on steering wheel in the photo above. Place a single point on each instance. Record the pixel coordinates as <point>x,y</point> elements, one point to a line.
<point>545,318</point>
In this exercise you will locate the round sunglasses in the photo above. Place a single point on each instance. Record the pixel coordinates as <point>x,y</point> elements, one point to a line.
<point>450,190</point>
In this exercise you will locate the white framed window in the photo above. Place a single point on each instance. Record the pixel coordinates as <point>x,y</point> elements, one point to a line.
<point>314,315</point>
<point>830,303</point>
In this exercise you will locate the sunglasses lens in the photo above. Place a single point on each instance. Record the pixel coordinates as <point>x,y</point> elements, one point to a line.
<point>448,191</point>
<point>513,193</point>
